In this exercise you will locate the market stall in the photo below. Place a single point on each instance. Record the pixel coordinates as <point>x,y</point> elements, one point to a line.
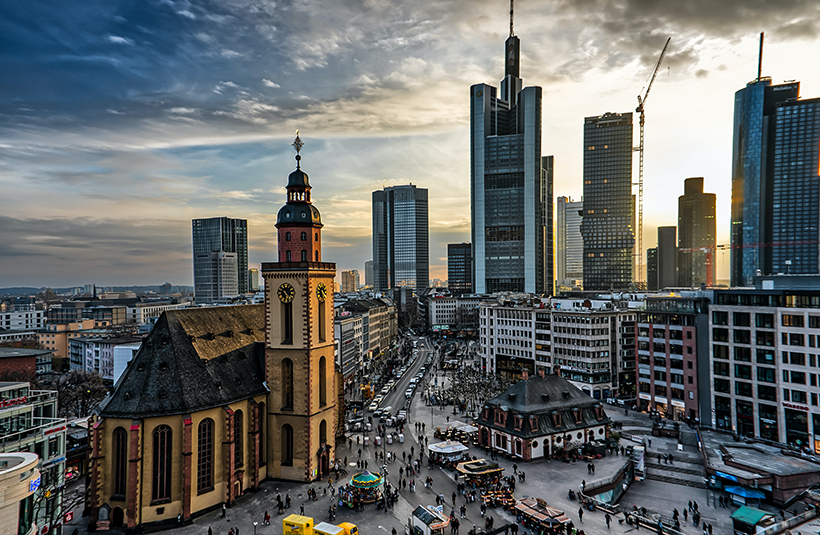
<point>448,453</point>
<point>429,520</point>
<point>540,517</point>
<point>479,473</point>
<point>364,487</point>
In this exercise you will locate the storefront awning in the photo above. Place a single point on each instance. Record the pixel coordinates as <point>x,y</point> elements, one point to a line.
<point>742,491</point>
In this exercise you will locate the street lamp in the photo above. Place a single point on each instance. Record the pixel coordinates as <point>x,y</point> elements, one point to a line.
<point>254,527</point>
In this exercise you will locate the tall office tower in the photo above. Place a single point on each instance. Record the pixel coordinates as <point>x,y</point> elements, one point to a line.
<point>796,192</point>
<point>368,273</point>
<point>350,281</point>
<point>608,215</point>
<point>509,193</point>
<point>401,249</point>
<point>652,269</point>
<point>667,257</point>
<point>460,268</point>
<point>753,160</point>
<point>215,276</point>
<point>569,244</point>
<point>253,280</point>
<point>220,234</point>
<point>547,180</point>
<point>697,233</point>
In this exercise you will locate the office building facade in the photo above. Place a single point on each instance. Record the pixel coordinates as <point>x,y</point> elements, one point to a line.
<point>569,244</point>
<point>219,235</point>
<point>460,268</point>
<point>350,281</point>
<point>795,190</point>
<point>753,158</point>
<point>697,234</point>
<point>401,245</point>
<point>608,214</point>
<point>509,189</point>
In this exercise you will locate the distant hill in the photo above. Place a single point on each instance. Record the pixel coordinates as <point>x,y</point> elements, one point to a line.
<point>27,290</point>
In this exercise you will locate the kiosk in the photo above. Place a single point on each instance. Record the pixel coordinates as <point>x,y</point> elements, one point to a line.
<point>448,453</point>
<point>364,487</point>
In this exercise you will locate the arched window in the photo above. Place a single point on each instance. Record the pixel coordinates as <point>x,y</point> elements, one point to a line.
<point>205,456</point>
<point>238,435</point>
<point>163,437</point>
<point>304,256</point>
<point>317,256</point>
<point>120,461</point>
<point>316,237</point>
<point>287,320</point>
<point>287,256</point>
<point>287,236</point>
<point>304,236</point>
<point>322,381</point>
<point>287,445</point>
<point>322,432</point>
<point>287,384</point>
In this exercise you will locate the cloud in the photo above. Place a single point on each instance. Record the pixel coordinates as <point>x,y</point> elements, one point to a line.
<point>119,40</point>
<point>187,14</point>
<point>268,83</point>
<point>231,54</point>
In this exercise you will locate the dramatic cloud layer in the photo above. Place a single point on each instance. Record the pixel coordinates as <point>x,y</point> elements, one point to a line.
<point>121,121</point>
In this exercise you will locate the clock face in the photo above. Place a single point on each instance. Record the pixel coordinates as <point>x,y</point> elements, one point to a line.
<point>321,291</point>
<point>286,293</point>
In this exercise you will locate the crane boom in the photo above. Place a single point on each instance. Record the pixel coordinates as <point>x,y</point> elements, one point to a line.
<point>640,148</point>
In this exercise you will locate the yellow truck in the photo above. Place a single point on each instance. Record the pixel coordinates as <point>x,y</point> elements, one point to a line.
<point>304,525</point>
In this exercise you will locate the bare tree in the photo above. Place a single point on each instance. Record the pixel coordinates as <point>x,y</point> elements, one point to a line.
<point>79,392</point>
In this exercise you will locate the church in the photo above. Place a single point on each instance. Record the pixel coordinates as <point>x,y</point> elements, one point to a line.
<point>219,399</point>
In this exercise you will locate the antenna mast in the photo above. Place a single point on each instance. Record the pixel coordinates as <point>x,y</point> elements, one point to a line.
<point>511,18</point>
<point>760,58</point>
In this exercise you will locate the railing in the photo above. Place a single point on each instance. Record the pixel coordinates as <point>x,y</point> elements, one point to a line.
<point>790,523</point>
<point>12,438</point>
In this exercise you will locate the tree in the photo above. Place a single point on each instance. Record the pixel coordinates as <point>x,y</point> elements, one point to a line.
<point>79,392</point>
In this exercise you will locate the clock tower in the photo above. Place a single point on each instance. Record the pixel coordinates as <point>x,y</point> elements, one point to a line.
<point>302,412</point>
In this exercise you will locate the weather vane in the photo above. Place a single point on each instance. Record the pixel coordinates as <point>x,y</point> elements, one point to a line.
<point>297,144</point>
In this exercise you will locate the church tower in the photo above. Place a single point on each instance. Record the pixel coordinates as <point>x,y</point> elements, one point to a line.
<point>299,341</point>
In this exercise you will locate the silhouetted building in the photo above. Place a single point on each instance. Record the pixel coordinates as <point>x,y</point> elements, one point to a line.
<point>368,273</point>
<point>652,269</point>
<point>608,213</point>
<point>697,233</point>
<point>460,268</point>
<point>510,191</point>
<point>667,257</point>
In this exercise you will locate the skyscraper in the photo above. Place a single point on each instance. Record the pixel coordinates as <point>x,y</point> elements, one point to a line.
<point>460,268</point>
<point>368,273</point>
<point>753,159</point>
<point>350,281</point>
<point>401,249</point>
<point>696,230</point>
<point>569,244</point>
<point>214,235</point>
<point>510,190</point>
<point>608,213</point>
<point>796,192</point>
<point>667,257</point>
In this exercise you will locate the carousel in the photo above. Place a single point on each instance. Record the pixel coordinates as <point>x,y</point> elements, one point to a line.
<point>536,515</point>
<point>364,487</point>
<point>448,453</point>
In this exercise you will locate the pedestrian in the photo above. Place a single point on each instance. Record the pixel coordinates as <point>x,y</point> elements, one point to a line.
<point>360,453</point>
<point>583,485</point>
<point>224,510</point>
<point>593,468</point>
<point>515,468</point>
<point>659,458</point>
<point>685,515</point>
<point>210,531</point>
<point>608,519</point>
<point>581,513</point>
<point>302,510</point>
<point>670,458</point>
<point>454,499</point>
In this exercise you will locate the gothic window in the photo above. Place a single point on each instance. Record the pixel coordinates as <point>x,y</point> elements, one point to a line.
<point>304,256</point>
<point>322,381</point>
<point>287,384</point>
<point>323,432</point>
<point>163,437</point>
<point>304,236</point>
<point>205,456</point>
<point>120,461</point>
<point>238,435</point>
<point>287,320</point>
<point>287,445</point>
<point>287,236</point>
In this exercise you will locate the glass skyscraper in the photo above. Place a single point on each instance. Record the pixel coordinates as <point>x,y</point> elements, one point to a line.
<point>697,229</point>
<point>401,249</point>
<point>569,244</point>
<point>510,191</point>
<point>608,214</point>
<point>796,192</point>
<point>460,268</point>
<point>214,235</point>
<point>753,157</point>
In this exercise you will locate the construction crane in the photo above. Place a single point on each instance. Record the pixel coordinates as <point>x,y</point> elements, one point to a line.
<point>640,110</point>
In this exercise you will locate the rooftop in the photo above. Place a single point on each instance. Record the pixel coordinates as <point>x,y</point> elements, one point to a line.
<point>14,352</point>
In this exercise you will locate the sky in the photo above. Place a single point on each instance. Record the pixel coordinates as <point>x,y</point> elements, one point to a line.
<point>122,121</point>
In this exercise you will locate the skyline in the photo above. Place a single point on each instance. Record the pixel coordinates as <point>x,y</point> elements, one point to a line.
<point>122,123</point>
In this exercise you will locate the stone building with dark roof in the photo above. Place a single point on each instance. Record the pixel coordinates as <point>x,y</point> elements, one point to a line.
<point>216,400</point>
<point>541,417</point>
